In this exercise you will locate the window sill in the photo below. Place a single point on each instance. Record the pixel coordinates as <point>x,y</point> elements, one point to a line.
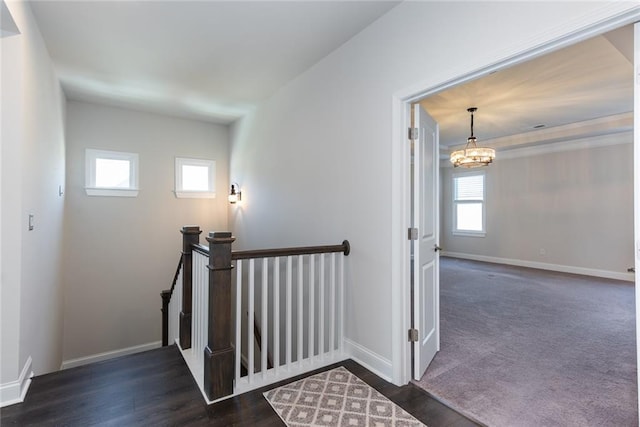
<point>469,233</point>
<point>195,195</point>
<point>112,192</point>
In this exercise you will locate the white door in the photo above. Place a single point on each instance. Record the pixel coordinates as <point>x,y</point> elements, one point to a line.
<point>426,292</point>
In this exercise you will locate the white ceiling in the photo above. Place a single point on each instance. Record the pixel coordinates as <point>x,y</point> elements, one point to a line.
<point>215,60</point>
<point>583,82</point>
<point>212,60</point>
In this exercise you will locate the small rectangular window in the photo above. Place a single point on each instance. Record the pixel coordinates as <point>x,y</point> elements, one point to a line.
<point>195,178</point>
<point>469,204</point>
<point>111,173</point>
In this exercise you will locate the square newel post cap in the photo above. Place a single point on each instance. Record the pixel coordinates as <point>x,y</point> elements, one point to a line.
<point>220,237</point>
<point>191,229</point>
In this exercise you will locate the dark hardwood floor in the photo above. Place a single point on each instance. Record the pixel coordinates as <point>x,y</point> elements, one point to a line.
<point>155,388</point>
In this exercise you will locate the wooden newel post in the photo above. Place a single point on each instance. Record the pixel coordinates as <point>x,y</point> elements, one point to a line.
<point>190,236</point>
<point>219,355</point>
<point>166,298</point>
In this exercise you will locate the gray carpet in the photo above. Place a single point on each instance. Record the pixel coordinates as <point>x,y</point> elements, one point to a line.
<point>525,347</point>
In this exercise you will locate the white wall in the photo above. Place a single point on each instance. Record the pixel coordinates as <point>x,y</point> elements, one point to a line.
<point>315,161</point>
<point>33,167</point>
<point>120,253</point>
<point>569,210</point>
<point>11,232</point>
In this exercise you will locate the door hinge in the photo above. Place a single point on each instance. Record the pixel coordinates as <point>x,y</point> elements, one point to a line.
<point>413,335</point>
<point>413,133</point>
<point>412,234</point>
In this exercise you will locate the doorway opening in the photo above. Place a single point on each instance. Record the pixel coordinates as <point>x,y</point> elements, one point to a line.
<point>526,145</point>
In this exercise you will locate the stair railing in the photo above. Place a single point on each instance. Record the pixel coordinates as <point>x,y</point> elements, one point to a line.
<point>296,297</point>
<point>295,313</point>
<point>166,299</point>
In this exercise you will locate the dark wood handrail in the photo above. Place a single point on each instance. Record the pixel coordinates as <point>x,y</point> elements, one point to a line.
<point>303,250</point>
<point>175,276</point>
<point>166,298</point>
<point>270,253</point>
<point>257,333</point>
<point>199,247</point>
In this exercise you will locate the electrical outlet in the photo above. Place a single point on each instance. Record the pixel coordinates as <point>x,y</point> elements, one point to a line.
<point>543,251</point>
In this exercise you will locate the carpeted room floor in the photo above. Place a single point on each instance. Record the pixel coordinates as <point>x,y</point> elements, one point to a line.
<point>524,347</point>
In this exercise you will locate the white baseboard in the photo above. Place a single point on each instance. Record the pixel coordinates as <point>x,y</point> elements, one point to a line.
<point>72,363</point>
<point>630,277</point>
<point>15,391</point>
<point>372,361</point>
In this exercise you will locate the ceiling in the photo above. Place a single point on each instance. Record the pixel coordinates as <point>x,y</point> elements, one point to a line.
<point>581,83</point>
<point>216,60</point>
<point>211,60</point>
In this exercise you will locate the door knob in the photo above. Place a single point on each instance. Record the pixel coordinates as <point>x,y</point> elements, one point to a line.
<point>436,248</point>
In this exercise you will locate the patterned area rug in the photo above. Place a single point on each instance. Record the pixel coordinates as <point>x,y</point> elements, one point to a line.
<point>336,398</point>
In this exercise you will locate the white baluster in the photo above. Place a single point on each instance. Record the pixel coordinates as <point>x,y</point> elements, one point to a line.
<point>276,314</point>
<point>238,341</point>
<point>203,305</point>
<point>199,294</point>
<point>195,286</point>
<point>264,325</point>
<point>179,308</point>
<point>310,343</point>
<point>321,284</point>
<point>289,307</point>
<point>341,324</point>
<point>332,307</point>
<point>250,321</point>
<point>300,309</point>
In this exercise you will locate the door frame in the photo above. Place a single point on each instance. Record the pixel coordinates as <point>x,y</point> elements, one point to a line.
<point>401,188</point>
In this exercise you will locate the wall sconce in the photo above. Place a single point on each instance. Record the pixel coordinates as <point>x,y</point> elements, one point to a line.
<point>235,195</point>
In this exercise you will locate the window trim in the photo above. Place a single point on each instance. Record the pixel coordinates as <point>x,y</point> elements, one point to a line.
<point>191,194</point>
<point>469,233</point>
<point>92,155</point>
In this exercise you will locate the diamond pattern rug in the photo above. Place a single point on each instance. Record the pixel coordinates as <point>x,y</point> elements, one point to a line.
<point>336,398</point>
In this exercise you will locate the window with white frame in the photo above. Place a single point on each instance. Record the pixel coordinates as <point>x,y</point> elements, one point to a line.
<point>469,204</point>
<point>111,173</point>
<point>195,178</point>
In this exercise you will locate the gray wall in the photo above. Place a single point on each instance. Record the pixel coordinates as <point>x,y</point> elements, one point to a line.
<point>571,210</point>
<point>319,160</point>
<point>33,165</point>
<point>121,252</point>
